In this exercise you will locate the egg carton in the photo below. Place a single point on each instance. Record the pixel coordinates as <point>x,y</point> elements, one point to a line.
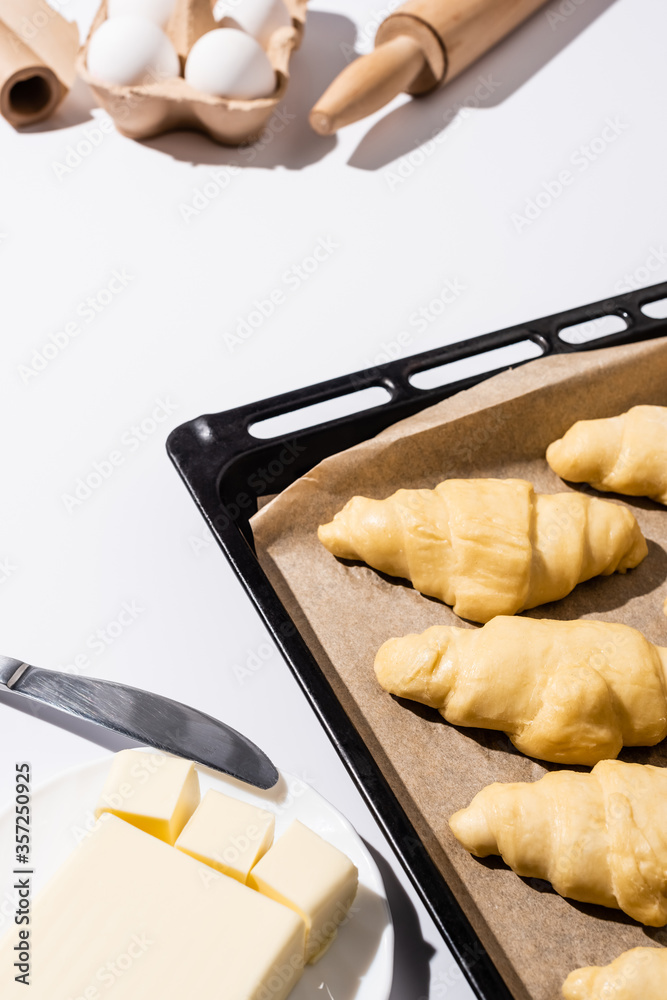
<point>159,106</point>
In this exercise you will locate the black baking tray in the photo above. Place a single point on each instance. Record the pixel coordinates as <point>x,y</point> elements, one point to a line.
<point>226,468</point>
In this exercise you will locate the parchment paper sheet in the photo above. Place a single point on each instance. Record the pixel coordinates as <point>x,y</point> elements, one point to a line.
<point>345,611</point>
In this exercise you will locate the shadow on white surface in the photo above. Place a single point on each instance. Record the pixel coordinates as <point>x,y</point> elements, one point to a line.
<point>290,142</point>
<point>412,954</point>
<point>511,64</point>
<point>353,951</point>
<point>78,727</point>
<point>76,109</point>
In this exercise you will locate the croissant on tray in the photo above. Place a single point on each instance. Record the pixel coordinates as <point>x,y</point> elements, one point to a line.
<point>570,692</point>
<point>640,974</point>
<point>488,546</point>
<point>599,837</point>
<point>624,454</point>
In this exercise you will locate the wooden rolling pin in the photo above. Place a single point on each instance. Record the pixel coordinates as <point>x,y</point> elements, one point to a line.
<point>422,45</point>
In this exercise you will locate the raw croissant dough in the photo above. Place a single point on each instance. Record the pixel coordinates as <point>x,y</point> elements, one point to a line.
<point>625,454</point>
<point>570,692</point>
<point>488,546</point>
<point>598,837</point>
<point>640,974</point>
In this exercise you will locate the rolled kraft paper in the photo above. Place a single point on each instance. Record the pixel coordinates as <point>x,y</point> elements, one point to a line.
<point>453,33</point>
<point>29,90</point>
<point>37,60</point>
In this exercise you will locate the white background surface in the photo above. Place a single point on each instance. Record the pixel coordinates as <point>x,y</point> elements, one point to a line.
<point>404,223</point>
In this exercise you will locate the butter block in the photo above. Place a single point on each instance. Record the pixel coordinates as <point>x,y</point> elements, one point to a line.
<point>156,793</point>
<point>313,878</point>
<point>227,834</point>
<point>129,917</point>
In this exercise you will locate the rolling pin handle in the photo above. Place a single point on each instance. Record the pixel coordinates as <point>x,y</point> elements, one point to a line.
<point>367,84</point>
<point>420,46</point>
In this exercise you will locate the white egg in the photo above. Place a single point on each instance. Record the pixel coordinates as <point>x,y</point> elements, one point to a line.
<point>228,63</point>
<point>131,50</point>
<point>158,11</point>
<point>260,18</point>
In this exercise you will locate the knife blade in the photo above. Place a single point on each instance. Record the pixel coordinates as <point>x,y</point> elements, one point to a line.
<point>149,718</point>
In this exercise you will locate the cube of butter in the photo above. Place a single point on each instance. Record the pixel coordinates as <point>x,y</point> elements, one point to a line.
<point>314,878</point>
<point>131,918</point>
<point>227,834</point>
<point>154,792</point>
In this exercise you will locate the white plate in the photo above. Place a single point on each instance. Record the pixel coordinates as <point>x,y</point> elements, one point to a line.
<point>359,965</point>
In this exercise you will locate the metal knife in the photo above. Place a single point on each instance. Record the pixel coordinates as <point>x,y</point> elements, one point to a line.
<point>149,718</point>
